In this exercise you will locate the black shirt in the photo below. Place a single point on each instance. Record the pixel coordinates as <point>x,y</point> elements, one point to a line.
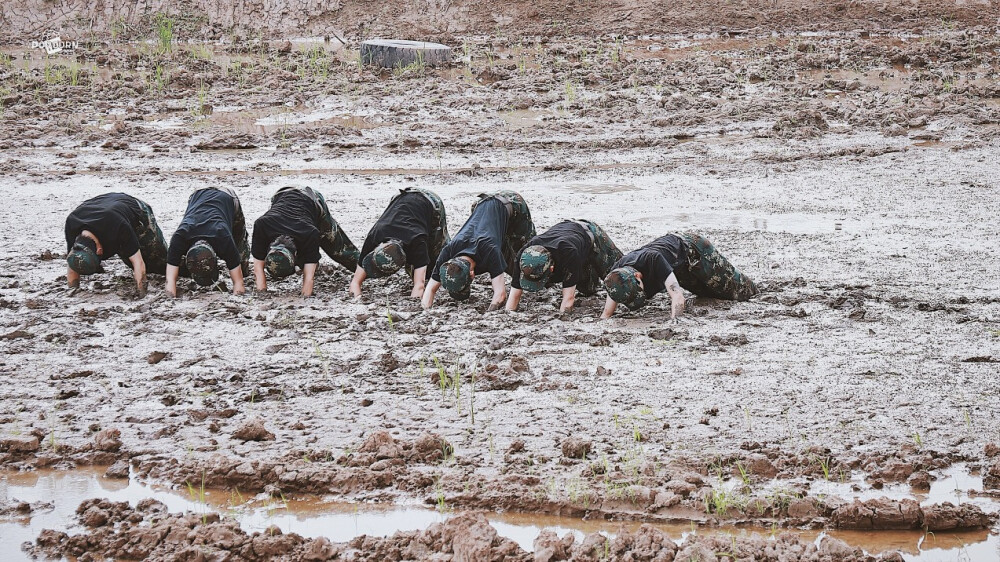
<point>209,217</point>
<point>114,219</point>
<point>409,219</point>
<point>570,246</point>
<point>294,214</point>
<point>656,261</point>
<point>480,238</point>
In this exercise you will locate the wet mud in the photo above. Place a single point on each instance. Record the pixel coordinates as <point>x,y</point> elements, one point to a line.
<point>851,173</point>
<point>79,492</point>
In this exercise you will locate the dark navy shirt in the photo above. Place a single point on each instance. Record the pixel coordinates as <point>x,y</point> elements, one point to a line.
<point>409,219</point>
<point>656,261</point>
<point>480,238</point>
<point>114,219</point>
<point>293,214</point>
<point>209,217</point>
<point>570,245</point>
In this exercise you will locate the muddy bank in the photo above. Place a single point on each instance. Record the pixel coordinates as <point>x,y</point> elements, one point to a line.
<point>435,20</point>
<point>148,532</point>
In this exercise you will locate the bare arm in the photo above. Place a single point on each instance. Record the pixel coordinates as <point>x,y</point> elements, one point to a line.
<point>258,274</point>
<point>676,297</point>
<point>419,282</point>
<point>429,292</point>
<point>568,298</point>
<point>514,300</point>
<point>139,272</point>
<point>609,308</point>
<point>499,292</point>
<point>72,278</point>
<point>236,274</point>
<point>357,280</point>
<point>308,277</point>
<point>172,272</point>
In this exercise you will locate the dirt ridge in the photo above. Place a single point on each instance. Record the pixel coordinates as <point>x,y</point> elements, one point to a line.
<point>437,19</point>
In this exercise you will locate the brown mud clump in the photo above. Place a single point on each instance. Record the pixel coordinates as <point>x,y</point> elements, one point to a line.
<point>108,440</point>
<point>253,430</point>
<point>116,530</point>
<point>576,448</point>
<point>886,514</point>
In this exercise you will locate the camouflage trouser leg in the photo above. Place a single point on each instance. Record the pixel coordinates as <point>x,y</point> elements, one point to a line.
<point>440,237</point>
<point>709,273</point>
<point>520,228</point>
<point>152,245</point>
<point>334,241</point>
<point>604,256</point>
<point>242,240</point>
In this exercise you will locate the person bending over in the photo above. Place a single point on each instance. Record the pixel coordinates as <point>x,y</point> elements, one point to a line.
<point>291,234</point>
<point>576,253</point>
<point>670,263</point>
<point>499,226</point>
<point>411,232</point>
<point>213,226</point>
<point>114,224</point>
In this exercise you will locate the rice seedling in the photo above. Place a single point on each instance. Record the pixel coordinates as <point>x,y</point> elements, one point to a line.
<point>442,376</point>
<point>472,400</point>
<point>198,108</point>
<point>197,495</point>
<point>744,474</point>
<point>720,500</point>
<point>569,91</point>
<point>442,506</point>
<point>201,52</point>
<point>163,26</point>
<point>824,464</point>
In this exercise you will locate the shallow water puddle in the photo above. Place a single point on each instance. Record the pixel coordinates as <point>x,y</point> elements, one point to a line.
<point>954,484</point>
<point>312,516</point>
<point>525,118</point>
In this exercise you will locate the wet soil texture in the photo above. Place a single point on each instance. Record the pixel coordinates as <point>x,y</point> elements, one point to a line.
<point>851,172</point>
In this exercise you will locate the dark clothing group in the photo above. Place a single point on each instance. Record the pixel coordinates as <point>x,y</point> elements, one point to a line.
<point>498,237</point>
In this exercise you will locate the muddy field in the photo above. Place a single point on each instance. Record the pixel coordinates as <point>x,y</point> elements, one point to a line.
<point>851,173</point>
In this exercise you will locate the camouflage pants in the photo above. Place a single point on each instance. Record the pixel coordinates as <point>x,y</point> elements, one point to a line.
<point>440,237</point>
<point>152,245</point>
<point>520,229</point>
<point>334,241</point>
<point>709,273</point>
<point>242,242</point>
<point>604,256</point>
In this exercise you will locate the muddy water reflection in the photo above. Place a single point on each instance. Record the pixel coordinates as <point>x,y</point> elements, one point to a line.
<point>954,484</point>
<point>312,516</point>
